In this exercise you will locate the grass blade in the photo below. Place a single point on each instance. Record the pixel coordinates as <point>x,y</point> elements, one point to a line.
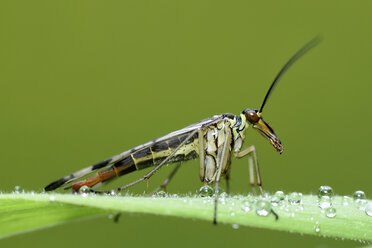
<point>26,212</point>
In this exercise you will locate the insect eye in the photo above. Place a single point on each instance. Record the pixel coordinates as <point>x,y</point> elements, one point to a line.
<point>252,116</point>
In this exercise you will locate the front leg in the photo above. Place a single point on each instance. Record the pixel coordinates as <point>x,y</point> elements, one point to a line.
<point>250,152</point>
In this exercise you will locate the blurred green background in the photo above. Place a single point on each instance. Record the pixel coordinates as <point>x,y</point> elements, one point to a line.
<point>83,80</point>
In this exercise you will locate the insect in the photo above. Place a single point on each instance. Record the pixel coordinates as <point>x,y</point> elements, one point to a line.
<point>212,140</point>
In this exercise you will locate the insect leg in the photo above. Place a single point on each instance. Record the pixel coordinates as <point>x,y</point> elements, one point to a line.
<point>167,180</point>
<point>227,178</point>
<point>253,166</point>
<point>201,154</point>
<point>252,162</point>
<point>152,172</point>
<point>221,164</point>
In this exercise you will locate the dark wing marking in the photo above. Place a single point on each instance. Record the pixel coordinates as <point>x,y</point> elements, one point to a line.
<point>81,173</point>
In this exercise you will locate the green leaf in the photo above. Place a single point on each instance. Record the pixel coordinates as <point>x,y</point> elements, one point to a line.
<point>26,212</point>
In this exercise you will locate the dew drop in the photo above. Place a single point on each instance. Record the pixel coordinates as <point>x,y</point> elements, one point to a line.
<point>325,202</point>
<point>317,227</point>
<point>361,204</point>
<point>160,193</point>
<point>223,200</point>
<point>221,191</point>
<point>206,191</point>
<point>52,198</point>
<point>330,212</point>
<point>346,200</point>
<point>360,199</point>
<point>359,195</point>
<point>17,189</point>
<point>277,198</point>
<point>246,205</point>
<point>325,191</point>
<point>369,209</point>
<point>263,207</point>
<point>84,190</point>
<point>235,226</point>
<point>223,197</point>
<point>294,198</point>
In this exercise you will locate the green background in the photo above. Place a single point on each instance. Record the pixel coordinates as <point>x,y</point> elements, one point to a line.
<point>83,80</point>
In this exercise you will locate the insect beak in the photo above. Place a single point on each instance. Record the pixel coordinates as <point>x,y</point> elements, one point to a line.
<point>269,133</point>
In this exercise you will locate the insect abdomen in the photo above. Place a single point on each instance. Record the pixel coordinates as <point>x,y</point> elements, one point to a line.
<point>142,159</point>
<point>120,168</point>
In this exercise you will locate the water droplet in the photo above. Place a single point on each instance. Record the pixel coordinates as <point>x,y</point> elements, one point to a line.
<point>206,191</point>
<point>325,202</point>
<point>277,198</point>
<point>317,227</point>
<point>361,204</point>
<point>360,199</point>
<point>294,198</point>
<point>235,226</point>
<point>224,195</point>
<point>160,193</point>
<point>246,205</point>
<point>369,209</point>
<point>232,214</point>
<point>112,192</point>
<point>263,207</point>
<point>17,189</point>
<point>84,190</point>
<point>346,200</point>
<point>325,191</point>
<point>223,200</point>
<point>52,198</point>
<point>221,191</point>
<point>330,212</point>
<point>359,195</point>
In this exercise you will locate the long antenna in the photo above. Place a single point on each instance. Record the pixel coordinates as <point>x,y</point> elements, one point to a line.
<point>295,57</point>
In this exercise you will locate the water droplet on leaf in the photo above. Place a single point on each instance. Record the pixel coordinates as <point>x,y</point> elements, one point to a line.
<point>294,198</point>
<point>235,226</point>
<point>263,207</point>
<point>359,195</point>
<point>17,189</point>
<point>206,191</point>
<point>84,190</point>
<point>277,198</point>
<point>317,227</point>
<point>325,202</point>
<point>246,205</point>
<point>330,212</point>
<point>346,200</point>
<point>160,193</point>
<point>325,191</point>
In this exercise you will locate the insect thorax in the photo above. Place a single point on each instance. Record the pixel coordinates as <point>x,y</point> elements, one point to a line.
<point>214,137</point>
<point>238,125</point>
